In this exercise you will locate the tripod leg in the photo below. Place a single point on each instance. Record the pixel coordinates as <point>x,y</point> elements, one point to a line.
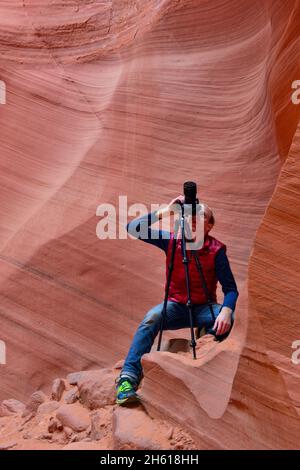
<point>193,341</point>
<point>187,280</point>
<point>171,266</point>
<point>200,270</point>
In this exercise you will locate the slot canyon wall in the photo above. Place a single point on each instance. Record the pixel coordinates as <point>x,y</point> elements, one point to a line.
<point>133,98</point>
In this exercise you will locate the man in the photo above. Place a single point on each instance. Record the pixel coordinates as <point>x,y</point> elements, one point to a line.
<point>215,265</point>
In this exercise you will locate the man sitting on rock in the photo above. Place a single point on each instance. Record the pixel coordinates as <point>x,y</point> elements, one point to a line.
<point>215,265</point>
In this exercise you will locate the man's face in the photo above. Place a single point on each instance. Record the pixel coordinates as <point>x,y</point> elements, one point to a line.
<point>200,226</point>
<point>203,221</point>
<point>207,226</point>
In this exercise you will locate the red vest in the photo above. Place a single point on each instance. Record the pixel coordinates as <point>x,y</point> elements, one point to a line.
<point>206,255</point>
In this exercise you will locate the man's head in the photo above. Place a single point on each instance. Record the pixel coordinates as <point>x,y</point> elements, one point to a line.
<point>201,223</point>
<point>209,219</point>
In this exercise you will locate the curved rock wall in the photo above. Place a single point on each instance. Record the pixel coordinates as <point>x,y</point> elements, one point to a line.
<point>133,98</point>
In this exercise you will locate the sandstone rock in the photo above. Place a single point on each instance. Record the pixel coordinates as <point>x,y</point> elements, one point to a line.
<point>8,445</point>
<point>96,430</point>
<point>48,407</point>
<point>97,389</point>
<point>74,416</point>
<point>74,377</point>
<point>169,433</point>
<point>68,432</point>
<point>36,399</point>
<point>99,420</point>
<point>45,436</point>
<point>80,436</point>
<point>9,407</point>
<point>71,396</point>
<point>119,364</point>
<point>83,445</point>
<point>179,446</point>
<point>54,425</point>
<point>28,417</point>
<point>171,68</point>
<point>3,411</point>
<point>58,389</point>
<point>176,345</point>
<point>134,429</point>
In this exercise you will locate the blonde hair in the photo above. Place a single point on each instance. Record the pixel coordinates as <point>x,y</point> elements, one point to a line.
<point>209,213</point>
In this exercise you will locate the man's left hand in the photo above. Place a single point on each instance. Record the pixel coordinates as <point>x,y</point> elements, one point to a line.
<point>223,321</point>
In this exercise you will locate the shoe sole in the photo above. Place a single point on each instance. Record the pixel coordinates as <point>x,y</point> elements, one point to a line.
<point>125,401</point>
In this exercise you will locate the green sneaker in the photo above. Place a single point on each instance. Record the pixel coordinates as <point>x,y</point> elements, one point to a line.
<point>126,392</point>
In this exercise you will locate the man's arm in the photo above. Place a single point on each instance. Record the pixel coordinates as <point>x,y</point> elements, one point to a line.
<point>229,288</point>
<point>140,228</point>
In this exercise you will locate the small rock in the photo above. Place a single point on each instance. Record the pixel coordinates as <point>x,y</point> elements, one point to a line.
<point>169,433</point>
<point>58,389</point>
<point>74,378</point>
<point>119,364</point>
<point>133,428</point>
<point>68,432</point>
<point>54,425</point>
<point>60,438</point>
<point>71,396</point>
<point>48,407</point>
<point>10,407</point>
<point>79,437</point>
<point>97,425</point>
<point>45,436</point>
<point>97,389</point>
<point>36,399</point>
<point>179,446</point>
<point>74,417</point>
<point>8,445</point>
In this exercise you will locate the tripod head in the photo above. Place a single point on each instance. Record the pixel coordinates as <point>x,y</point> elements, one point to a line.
<point>190,198</point>
<point>190,192</point>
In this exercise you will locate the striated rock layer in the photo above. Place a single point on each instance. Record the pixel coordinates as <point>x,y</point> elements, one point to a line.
<point>133,98</point>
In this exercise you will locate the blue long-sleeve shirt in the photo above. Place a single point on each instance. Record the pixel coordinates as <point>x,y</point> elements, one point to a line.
<point>141,229</point>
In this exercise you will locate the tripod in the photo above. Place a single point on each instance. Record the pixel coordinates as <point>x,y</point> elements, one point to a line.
<point>187,281</point>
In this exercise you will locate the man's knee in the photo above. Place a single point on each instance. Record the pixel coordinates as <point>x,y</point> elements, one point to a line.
<point>208,317</point>
<point>153,317</point>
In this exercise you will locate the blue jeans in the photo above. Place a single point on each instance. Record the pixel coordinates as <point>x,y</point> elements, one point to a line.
<point>177,317</point>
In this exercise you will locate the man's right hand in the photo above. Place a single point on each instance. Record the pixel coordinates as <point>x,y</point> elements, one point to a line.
<point>173,206</point>
<point>175,201</point>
